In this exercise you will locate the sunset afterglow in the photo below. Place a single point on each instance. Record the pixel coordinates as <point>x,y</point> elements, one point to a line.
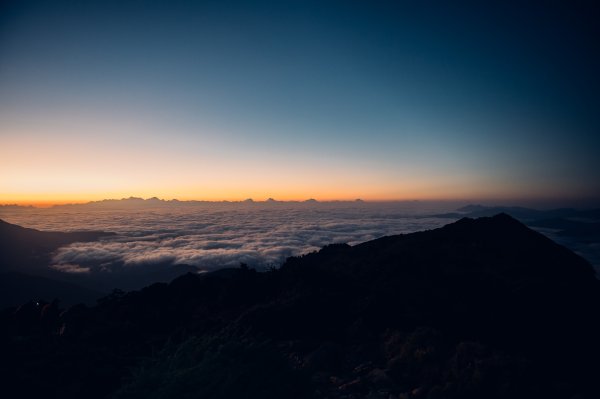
<point>255,107</point>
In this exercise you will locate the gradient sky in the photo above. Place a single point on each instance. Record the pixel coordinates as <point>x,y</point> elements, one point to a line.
<point>293,100</point>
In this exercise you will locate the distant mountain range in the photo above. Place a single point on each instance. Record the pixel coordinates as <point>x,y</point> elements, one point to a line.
<point>137,202</point>
<point>481,308</point>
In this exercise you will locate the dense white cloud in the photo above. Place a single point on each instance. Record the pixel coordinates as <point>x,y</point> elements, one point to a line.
<point>68,268</point>
<point>213,236</point>
<point>218,236</point>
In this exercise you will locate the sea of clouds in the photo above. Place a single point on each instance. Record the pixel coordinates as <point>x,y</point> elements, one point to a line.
<point>212,236</point>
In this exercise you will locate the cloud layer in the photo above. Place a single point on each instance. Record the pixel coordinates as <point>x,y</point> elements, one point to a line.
<point>212,237</point>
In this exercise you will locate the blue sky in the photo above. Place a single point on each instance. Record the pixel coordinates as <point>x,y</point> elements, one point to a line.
<point>380,100</point>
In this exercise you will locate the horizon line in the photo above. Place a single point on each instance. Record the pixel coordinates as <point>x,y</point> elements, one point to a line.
<point>514,201</point>
<point>48,204</point>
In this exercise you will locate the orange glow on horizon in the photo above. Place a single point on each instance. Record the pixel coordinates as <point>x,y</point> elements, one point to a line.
<point>44,201</point>
<point>47,201</point>
<point>46,167</point>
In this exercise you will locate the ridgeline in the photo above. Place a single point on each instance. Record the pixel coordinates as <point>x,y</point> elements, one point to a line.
<point>480,308</point>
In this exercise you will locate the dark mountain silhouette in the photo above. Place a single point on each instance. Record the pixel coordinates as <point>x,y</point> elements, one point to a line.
<point>25,255</point>
<point>25,259</point>
<point>28,250</point>
<point>576,228</point>
<point>154,202</point>
<point>17,288</point>
<point>525,214</point>
<point>484,308</point>
<point>127,278</point>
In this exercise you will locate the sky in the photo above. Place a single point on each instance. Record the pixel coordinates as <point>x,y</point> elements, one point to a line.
<point>226,100</point>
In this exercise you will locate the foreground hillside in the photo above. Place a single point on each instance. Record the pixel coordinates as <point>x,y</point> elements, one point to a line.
<point>26,268</point>
<point>481,308</point>
<point>25,257</point>
<point>29,250</point>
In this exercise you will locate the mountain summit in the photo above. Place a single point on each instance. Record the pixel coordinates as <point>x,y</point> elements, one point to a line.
<point>479,308</point>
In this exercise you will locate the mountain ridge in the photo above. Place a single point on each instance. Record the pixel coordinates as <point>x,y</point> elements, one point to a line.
<point>27,250</point>
<point>479,308</point>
